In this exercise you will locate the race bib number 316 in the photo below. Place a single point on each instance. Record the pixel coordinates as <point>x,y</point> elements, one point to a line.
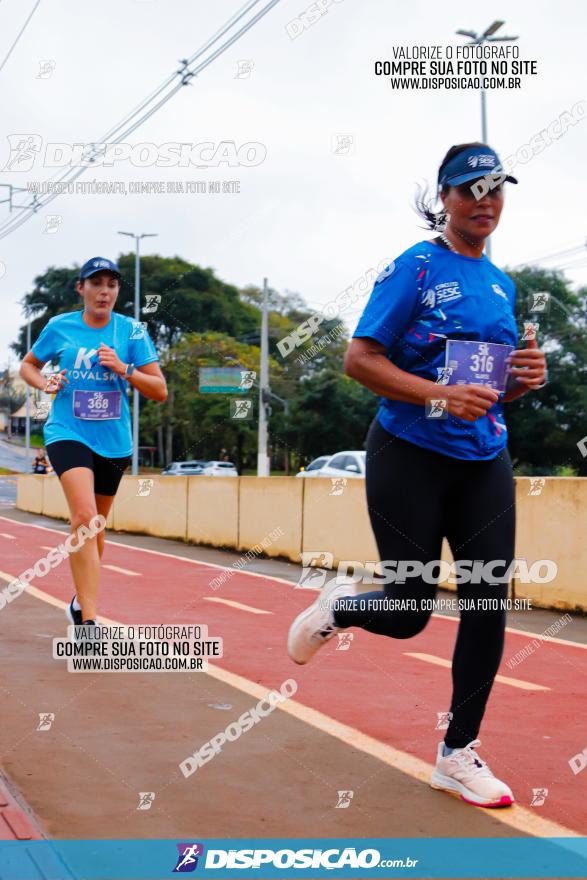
<point>476,363</point>
<point>96,405</point>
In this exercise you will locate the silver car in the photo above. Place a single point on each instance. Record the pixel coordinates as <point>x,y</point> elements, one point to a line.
<point>342,464</point>
<point>184,468</point>
<point>219,469</point>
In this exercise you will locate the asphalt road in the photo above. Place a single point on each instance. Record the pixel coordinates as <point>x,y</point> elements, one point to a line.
<point>14,457</point>
<point>362,720</point>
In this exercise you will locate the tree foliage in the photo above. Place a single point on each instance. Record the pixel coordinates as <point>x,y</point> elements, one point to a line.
<point>202,321</point>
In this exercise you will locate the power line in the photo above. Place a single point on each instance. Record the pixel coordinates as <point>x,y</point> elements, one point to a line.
<point>210,42</point>
<point>569,252</point>
<point>186,75</point>
<point>20,33</point>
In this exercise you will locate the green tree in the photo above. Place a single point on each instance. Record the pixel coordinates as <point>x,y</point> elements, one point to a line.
<point>193,299</point>
<point>545,426</point>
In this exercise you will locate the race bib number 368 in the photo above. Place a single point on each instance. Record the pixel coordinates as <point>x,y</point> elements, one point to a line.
<point>476,363</point>
<point>96,405</point>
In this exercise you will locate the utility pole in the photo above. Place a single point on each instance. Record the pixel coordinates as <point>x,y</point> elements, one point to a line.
<point>479,39</point>
<point>27,421</point>
<point>262,457</point>
<point>137,313</point>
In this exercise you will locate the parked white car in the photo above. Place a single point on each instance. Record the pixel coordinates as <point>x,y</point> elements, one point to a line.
<point>183,468</point>
<point>310,470</point>
<point>342,464</point>
<point>219,469</point>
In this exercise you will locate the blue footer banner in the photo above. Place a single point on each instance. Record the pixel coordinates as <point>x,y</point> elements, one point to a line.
<point>286,858</point>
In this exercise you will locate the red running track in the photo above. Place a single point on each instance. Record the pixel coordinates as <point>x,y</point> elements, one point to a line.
<point>375,687</point>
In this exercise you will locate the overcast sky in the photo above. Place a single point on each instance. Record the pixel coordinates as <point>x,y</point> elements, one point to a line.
<point>309,219</point>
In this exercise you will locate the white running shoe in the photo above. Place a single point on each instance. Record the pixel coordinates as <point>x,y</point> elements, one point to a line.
<point>464,773</point>
<point>315,626</point>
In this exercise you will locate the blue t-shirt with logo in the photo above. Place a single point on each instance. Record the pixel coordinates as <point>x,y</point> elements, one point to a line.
<point>94,407</point>
<point>432,294</point>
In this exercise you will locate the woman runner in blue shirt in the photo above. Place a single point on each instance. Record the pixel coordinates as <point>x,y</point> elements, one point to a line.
<point>433,342</point>
<point>88,431</point>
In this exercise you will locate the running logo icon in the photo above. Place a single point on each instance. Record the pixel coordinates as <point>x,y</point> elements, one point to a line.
<point>46,68</point>
<point>46,719</point>
<point>444,374</point>
<point>338,484</point>
<point>314,569</point>
<point>537,484</point>
<point>138,329</point>
<point>152,304</point>
<point>444,719</point>
<point>344,641</point>
<point>187,861</point>
<point>23,151</point>
<point>146,799</point>
<point>530,330</point>
<point>247,379</point>
<point>52,223</point>
<point>539,301</point>
<point>344,800</point>
<point>437,409</point>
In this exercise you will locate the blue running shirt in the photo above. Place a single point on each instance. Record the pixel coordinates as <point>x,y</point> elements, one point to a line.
<point>94,408</point>
<point>432,295</point>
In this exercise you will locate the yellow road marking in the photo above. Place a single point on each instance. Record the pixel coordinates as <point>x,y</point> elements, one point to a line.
<point>504,679</point>
<point>238,605</point>
<point>517,817</point>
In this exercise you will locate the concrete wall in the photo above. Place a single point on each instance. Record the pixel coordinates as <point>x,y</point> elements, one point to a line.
<point>152,506</point>
<point>337,523</point>
<point>282,516</point>
<point>268,507</point>
<point>29,493</point>
<point>212,510</point>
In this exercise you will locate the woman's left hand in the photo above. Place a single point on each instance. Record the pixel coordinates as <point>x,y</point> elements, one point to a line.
<point>110,360</point>
<point>528,366</point>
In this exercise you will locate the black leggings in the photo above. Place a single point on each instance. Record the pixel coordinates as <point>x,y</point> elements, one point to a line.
<point>416,497</point>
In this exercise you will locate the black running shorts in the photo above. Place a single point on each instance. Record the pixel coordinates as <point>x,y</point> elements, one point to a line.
<point>67,454</point>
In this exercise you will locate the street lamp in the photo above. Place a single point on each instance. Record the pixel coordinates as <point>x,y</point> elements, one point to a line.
<point>479,39</point>
<point>135,397</point>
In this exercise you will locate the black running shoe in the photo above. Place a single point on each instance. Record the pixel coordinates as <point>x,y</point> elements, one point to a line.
<point>73,615</point>
<point>97,634</point>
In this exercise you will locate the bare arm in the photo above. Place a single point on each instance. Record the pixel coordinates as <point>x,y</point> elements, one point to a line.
<point>150,381</point>
<point>30,371</point>
<point>366,361</point>
<point>514,391</point>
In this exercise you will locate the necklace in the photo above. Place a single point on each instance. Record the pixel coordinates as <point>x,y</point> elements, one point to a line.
<point>448,243</point>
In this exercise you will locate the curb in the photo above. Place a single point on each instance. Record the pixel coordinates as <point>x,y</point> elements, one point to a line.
<point>17,820</point>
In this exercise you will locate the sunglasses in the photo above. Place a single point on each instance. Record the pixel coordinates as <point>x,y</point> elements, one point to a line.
<point>465,191</point>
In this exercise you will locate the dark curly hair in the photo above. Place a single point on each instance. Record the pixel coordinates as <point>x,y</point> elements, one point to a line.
<point>424,202</point>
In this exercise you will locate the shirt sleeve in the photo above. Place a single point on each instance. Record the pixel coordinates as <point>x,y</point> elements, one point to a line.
<point>141,347</point>
<point>44,346</point>
<point>391,306</point>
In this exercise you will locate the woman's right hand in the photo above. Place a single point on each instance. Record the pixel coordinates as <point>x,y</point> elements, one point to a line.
<point>470,402</point>
<point>55,382</point>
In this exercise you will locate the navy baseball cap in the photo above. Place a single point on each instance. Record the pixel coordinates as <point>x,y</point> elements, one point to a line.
<point>98,264</point>
<point>471,164</point>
